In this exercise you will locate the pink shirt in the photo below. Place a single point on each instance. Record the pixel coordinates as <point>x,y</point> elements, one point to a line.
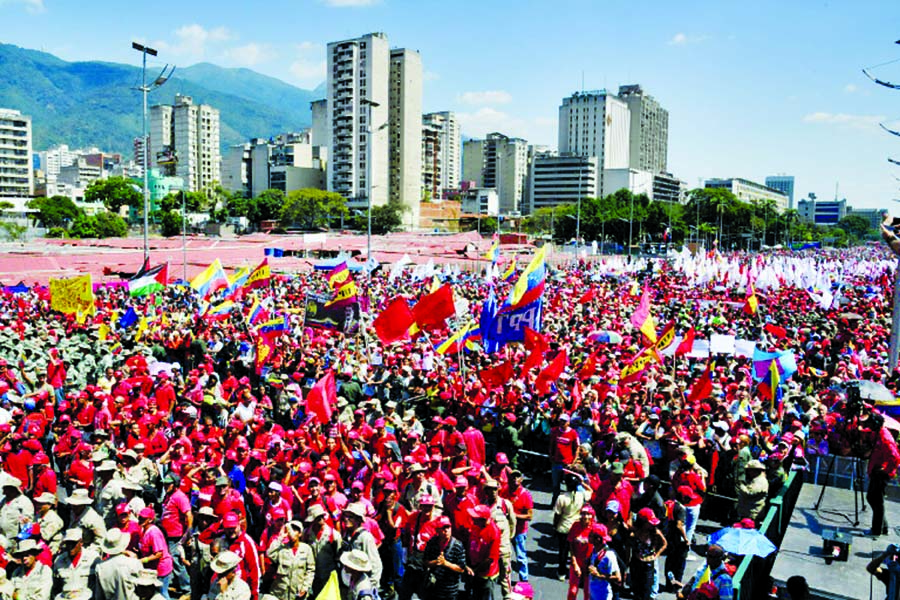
<point>154,541</point>
<point>174,514</point>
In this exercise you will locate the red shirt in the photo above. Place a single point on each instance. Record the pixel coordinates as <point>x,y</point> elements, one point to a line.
<point>622,493</point>
<point>692,479</point>
<point>885,456</point>
<point>174,514</point>
<point>522,502</point>
<point>579,542</point>
<point>563,445</point>
<point>46,482</point>
<point>484,550</point>
<point>474,445</point>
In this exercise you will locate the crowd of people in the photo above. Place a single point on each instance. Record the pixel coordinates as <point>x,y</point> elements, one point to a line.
<point>159,461</point>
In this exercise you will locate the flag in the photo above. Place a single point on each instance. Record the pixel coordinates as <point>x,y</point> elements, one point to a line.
<point>265,348</point>
<point>338,275</point>
<point>398,266</point>
<point>687,344</point>
<point>452,344</point>
<point>666,339</point>
<point>702,388</point>
<point>322,397</point>
<point>589,366</point>
<point>633,370</point>
<point>237,280</point>
<point>752,303</point>
<point>785,359</point>
<point>494,253</point>
<point>394,321</point>
<point>487,321</point>
<point>128,319</point>
<point>141,328</point>
<point>274,327</point>
<point>551,372</point>
<point>345,294</point>
<point>509,326</point>
<point>774,380</point>
<point>260,276</point>
<point>496,376</point>
<point>257,313</point>
<point>642,320</point>
<point>220,311</point>
<point>433,309</point>
<point>530,285</point>
<point>332,590</point>
<point>587,296</point>
<point>778,332</point>
<point>510,271</point>
<point>149,282</point>
<point>103,332</point>
<point>704,578</point>
<point>538,345</point>
<point>210,279</point>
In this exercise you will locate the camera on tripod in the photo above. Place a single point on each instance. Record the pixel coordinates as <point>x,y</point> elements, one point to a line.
<point>854,405</point>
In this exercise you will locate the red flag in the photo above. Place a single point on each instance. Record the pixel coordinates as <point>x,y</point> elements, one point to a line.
<point>587,296</point>
<point>687,344</point>
<point>702,388</point>
<point>394,321</point>
<point>535,341</point>
<point>588,367</point>
<point>551,372</point>
<point>265,348</point>
<point>322,397</point>
<point>779,332</point>
<point>432,309</point>
<point>496,376</point>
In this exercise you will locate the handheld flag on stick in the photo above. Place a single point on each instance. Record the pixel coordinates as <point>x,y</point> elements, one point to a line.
<point>393,323</point>
<point>530,285</point>
<point>702,388</point>
<point>322,398</point>
<point>494,253</point>
<point>752,303</point>
<point>149,282</point>
<point>338,275</point>
<point>210,279</point>
<point>642,320</point>
<point>687,344</point>
<point>260,276</point>
<point>510,271</point>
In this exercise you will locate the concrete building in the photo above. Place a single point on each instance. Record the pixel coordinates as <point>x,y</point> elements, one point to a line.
<point>405,130</point>
<point>480,201</point>
<point>634,180</point>
<point>52,160</point>
<point>357,119</point>
<point>236,168</point>
<point>441,153</point>
<point>875,216</point>
<point>184,142</point>
<point>81,173</point>
<point>501,163</point>
<point>319,130</point>
<point>822,212</point>
<point>286,162</point>
<point>556,180</point>
<point>596,123</point>
<point>138,154</point>
<point>784,184</point>
<point>668,188</point>
<point>750,191</point>
<point>16,173</point>
<point>648,145</point>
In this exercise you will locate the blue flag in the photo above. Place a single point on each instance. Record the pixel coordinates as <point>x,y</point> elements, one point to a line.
<point>128,319</point>
<point>510,326</point>
<point>486,323</point>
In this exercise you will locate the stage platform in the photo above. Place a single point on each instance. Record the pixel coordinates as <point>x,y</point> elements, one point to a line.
<point>801,551</point>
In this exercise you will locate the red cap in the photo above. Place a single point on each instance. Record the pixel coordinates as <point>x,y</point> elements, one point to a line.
<point>441,522</point>
<point>647,515</point>
<point>147,513</point>
<point>480,512</point>
<point>231,520</point>
<point>501,459</point>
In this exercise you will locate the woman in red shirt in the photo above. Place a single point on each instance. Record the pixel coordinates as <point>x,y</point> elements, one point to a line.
<point>580,548</point>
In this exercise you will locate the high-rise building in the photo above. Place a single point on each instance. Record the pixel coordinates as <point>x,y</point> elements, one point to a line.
<point>501,163</point>
<point>319,130</point>
<point>138,155</point>
<point>558,180</point>
<point>405,130</point>
<point>649,137</point>
<point>441,148</point>
<point>596,123</point>
<point>784,184</point>
<point>184,142</point>
<point>750,191</point>
<point>16,173</point>
<point>236,168</point>
<point>54,159</point>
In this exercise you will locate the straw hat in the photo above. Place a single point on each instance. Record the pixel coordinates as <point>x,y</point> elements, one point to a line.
<point>356,560</point>
<point>315,511</point>
<point>224,562</point>
<point>79,497</point>
<point>146,577</point>
<point>115,541</point>
<point>26,546</point>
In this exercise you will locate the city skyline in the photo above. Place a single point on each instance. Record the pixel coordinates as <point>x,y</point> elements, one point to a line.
<point>751,91</point>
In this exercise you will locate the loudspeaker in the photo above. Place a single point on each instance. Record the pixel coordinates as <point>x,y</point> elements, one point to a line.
<point>836,545</point>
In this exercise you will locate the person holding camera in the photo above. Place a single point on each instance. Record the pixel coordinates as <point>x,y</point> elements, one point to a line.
<point>883,464</point>
<point>886,568</point>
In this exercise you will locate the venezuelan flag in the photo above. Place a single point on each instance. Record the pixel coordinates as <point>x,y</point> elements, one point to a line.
<point>752,303</point>
<point>462,336</point>
<point>510,271</point>
<point>220,311</point>
<point>210,279</point>
<point>257,313</point>
<point>276,326</point>
<point>530,285</point>
<point>493,254</point>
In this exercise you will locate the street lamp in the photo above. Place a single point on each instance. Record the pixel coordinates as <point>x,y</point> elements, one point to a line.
<point>578,217</point>
<point>146,89</point>
<point>369,187</point>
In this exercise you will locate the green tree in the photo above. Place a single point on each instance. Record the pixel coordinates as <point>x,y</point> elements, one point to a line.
<point>309,208</point>
<point>171,223</point>
<point>85,226</point>
<point>385,218</point>
<point>193,201</point>
<point>57,211</point>
<point>856,226</point>
<point>114,193</point>
<point>265,207</point>
<point>237,206</point>
<point>107,224</point>
<point>14,231</point>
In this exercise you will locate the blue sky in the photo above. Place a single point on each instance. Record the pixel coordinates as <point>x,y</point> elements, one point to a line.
<point>752,88</point>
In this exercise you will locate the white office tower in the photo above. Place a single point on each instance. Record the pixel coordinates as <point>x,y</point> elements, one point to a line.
<point>441,153</point>
<point>596,123</point>
<point>501,163</point>
<point>405,130</point>
<point>184,142</point>
<point>16,174</point>
<point>649,140</point>
<point>357,119</point>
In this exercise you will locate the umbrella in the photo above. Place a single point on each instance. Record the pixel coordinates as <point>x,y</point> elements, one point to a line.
<point>871,390</point>
<point>850,316</point>
<point>745,542</point>
<point>891,423</point>
<point>604,336</point>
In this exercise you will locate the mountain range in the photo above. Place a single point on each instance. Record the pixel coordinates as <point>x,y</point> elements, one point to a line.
<point>94,103</point>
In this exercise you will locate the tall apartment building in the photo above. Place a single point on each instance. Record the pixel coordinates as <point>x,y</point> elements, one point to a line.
<point>649,139</point>
<point>441,147</point>
<point>596,123</point>
<point>54,159</point>
<point>558,180</point>
<point>138,155</point>
<point>784,184</point>
<point>499,162</point>
<point>405,131</point>
<point>286,162</point>
<point>373,123</point>
<point>16,173</point>
<point>184,142</point>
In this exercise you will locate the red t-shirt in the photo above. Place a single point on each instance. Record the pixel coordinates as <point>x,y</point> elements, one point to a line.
<point>522,502</point>
<point>580,543</point>
<point>564,445</point>
<point>174,514</point>
<point>484,546</point>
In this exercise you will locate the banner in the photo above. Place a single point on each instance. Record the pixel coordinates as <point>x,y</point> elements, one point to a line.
<point>511,326</point>
<point>343,318</point>
<point>75,294</point>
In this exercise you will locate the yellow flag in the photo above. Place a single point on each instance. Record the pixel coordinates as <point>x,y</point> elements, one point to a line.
<point>141,328</point>
<point>435,284</point>
<point>103,331</point>
<point>331,591</point>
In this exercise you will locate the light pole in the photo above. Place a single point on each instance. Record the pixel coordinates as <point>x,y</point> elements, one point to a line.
<point>631,226</point>
<point>370,104</point>
<point>578,217</point>
<point>146,89</point>
<point>183,237</point>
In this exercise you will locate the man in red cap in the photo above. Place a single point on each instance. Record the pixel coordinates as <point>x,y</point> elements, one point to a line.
<point>483,553</point>
<point>43,476</point>
<point>177,521</point>
<point>240,543</point>
<point>417,530</point>
<point>154,552</point>
<point>563,446</point>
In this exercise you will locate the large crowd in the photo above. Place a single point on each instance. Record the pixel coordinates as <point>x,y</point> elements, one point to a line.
<point>158,461</point>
